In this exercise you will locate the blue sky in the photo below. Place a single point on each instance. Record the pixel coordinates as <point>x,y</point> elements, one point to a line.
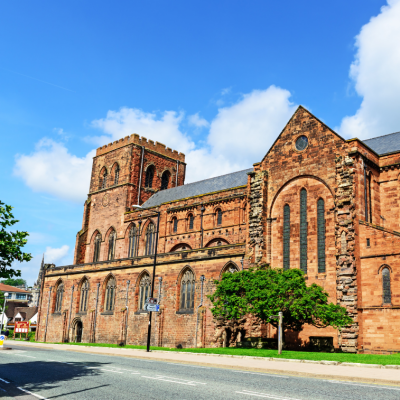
<point>216,80</point>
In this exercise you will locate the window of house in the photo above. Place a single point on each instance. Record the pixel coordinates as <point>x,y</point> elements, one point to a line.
<point>84,296</point>
<point>97,244</point>
<point>59,297</point>
<point>149,177</point>
<point>111,245</point>
<point>387,295</point>
<point>165,180</point>
<point>21,296</point>
<point>150,237</point>
<point>321,234</point>
<point>174,224</point>
<point>144,290</point>
<point>133,238</point>
<point>191,221</point>
<point>110,295</point>
<point>303,230</point>
<point>286,237</point>
<point>116,176</point>
<point>219,217</point>
<point>187,291</point>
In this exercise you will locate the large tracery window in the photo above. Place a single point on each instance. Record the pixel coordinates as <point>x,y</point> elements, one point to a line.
<point>303,230</point>
<point>187,291</point>
<point>165,180</point>
<point>321,234</point>
<point>97,244</point>
<point>133,238</point>
<point>144,290</point>
<point>111,288</point>
<point>149,177</point>
<point>116,176</point>
<point>387,294</point>
<point>84,296</point>
<point>150,238</point>
<point>286,237</point>
<point>59,297</point>
<point>111,245</point>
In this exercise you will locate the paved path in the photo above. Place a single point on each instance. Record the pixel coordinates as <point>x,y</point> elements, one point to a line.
<point>29,372</point>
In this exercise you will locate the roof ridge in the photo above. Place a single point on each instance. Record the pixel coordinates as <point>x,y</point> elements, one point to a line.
<point>377,137</point>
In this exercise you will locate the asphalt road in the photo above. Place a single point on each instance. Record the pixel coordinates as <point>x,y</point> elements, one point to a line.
<point>28,374</point>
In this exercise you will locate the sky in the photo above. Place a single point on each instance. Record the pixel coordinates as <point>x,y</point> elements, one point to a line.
<point>216,80</point>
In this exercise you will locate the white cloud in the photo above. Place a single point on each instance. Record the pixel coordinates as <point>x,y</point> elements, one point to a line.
<point>375,72</point>
<point>52,169</point>
<point>54,255</point>
<point>198,121</point>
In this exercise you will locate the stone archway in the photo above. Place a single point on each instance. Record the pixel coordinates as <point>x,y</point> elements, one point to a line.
<point>77,331</point>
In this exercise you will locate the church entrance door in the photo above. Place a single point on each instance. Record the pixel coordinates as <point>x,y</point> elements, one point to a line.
<point>78,331</point>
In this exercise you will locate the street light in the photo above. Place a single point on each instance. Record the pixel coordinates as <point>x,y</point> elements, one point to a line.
<point>154,272</point>
<point>4,309</point>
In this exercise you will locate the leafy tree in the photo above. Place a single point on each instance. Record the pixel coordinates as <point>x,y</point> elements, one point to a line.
<point>265,291</point>
<point>11,243</point>
<point>14,281</point>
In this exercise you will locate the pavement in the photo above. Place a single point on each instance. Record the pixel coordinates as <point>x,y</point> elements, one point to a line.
<point>33,371</point>
<point>350,372</point>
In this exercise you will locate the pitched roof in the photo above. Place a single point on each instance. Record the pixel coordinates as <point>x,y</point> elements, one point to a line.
<point>222,182</point>
<point>8,288</point>
<point>384,144</point>
<point>26,312</point>
<point>12,305</point>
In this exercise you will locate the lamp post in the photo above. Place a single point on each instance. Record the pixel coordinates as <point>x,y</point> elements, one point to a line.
<point>4,310</point>
<point>154,272</point>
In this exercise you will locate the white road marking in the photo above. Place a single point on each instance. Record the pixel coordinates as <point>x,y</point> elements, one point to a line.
<point>259,373</point>
<point>265,395</point>
<point>357,384</point>
<point>174,380</point>
<point>33,394</point>
<point>3,380</point>
<point>110,370</point>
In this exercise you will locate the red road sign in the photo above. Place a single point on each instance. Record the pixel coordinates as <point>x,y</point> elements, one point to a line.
<point>21,327</point>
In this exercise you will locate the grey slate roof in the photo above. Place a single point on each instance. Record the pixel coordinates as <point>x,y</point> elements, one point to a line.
<point>201,187</point>
<point>384,144</point>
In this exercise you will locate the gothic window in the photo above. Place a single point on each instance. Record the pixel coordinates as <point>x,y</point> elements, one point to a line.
<point>387,295</point>
<point>219,216</point>
<point>191,221</point>
<point>187,291</point>
<point>111,288</point>
<point>59,297</point>
<point>230,268</point>
<point>150,238</point>
<point>149,177</point>
<point>165,180</point>
<point>97,244</point>
<point>321,234</point>
<point>303,230</point>
<point>111,245</point>
<point>133,238</point>
<point>84,296</point>
<point>116,176</point>
<point>144,290</point>
<point>104,180</point>
<point>174,225</point>
<point>286,237</point>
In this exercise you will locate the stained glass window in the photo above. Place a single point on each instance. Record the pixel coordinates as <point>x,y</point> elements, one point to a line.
<point>303,230</point>
<point>301,143</point>
<point>321,234</point>
<point>387,295</point>
<point>286,237</point>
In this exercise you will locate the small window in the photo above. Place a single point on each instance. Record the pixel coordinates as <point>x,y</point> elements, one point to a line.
<point>21,296</point>
<point>187,291</point>
<point>84,296</point>
<point>175,225</point>
<point>191,221</point>
<point>144,291</point>
<point>219,217</point>
<point>387,295</point>
<point>368,243</point>
<point>110,295</point>
<point>165,180</point>
<point>97,244</point>
<point>149,177</point>
<point>116,176</point>
<point>59,297</point>
<point>111,245</point>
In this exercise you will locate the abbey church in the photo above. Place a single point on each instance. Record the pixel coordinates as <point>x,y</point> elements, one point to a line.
<point>316,201</point>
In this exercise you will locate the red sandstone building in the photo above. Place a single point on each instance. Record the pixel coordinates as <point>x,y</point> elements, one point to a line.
<point>315,201</point>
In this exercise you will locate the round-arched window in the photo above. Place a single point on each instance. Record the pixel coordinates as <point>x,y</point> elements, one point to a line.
<point>301,143</point>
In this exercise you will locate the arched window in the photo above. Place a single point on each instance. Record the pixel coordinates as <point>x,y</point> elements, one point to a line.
<point>111,288</point>
<point>144,290</point>
<point>150,238</point>
<point>187,291</point>
<point>104,180</point>
<point>149,177</point>
<point>59,297</point>
<point>303,230</point>
<point>219,216</point>
<point>116,175</point>
<point>174,225</point>
<point>84,296</point>
<point>165,180</point>
<point>97,244</point>
<point>191,221</point>
<point>231,268</point>
<point>387,294</point>
<point>111,245</point>
<point>133,237</point>
<point>286,237</point>
<point>321,234</point>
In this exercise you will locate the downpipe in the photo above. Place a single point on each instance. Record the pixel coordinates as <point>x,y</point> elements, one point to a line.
<point>202,279</point>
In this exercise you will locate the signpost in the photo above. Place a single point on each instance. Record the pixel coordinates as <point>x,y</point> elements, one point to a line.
<point>280,316</point>
<point>21,327</point>
<point>152,305</point>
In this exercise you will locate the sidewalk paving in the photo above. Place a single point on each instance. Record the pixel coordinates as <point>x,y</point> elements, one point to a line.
<point>354,372</point>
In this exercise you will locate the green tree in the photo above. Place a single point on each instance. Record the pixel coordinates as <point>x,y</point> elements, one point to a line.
<point>14,281</point>
<point>264,292</point>
<point>11,243</point>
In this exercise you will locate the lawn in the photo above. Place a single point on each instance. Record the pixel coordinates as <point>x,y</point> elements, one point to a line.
<point>383,359</point>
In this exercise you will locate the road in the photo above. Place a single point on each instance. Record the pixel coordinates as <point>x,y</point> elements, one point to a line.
<point>32,373</point>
